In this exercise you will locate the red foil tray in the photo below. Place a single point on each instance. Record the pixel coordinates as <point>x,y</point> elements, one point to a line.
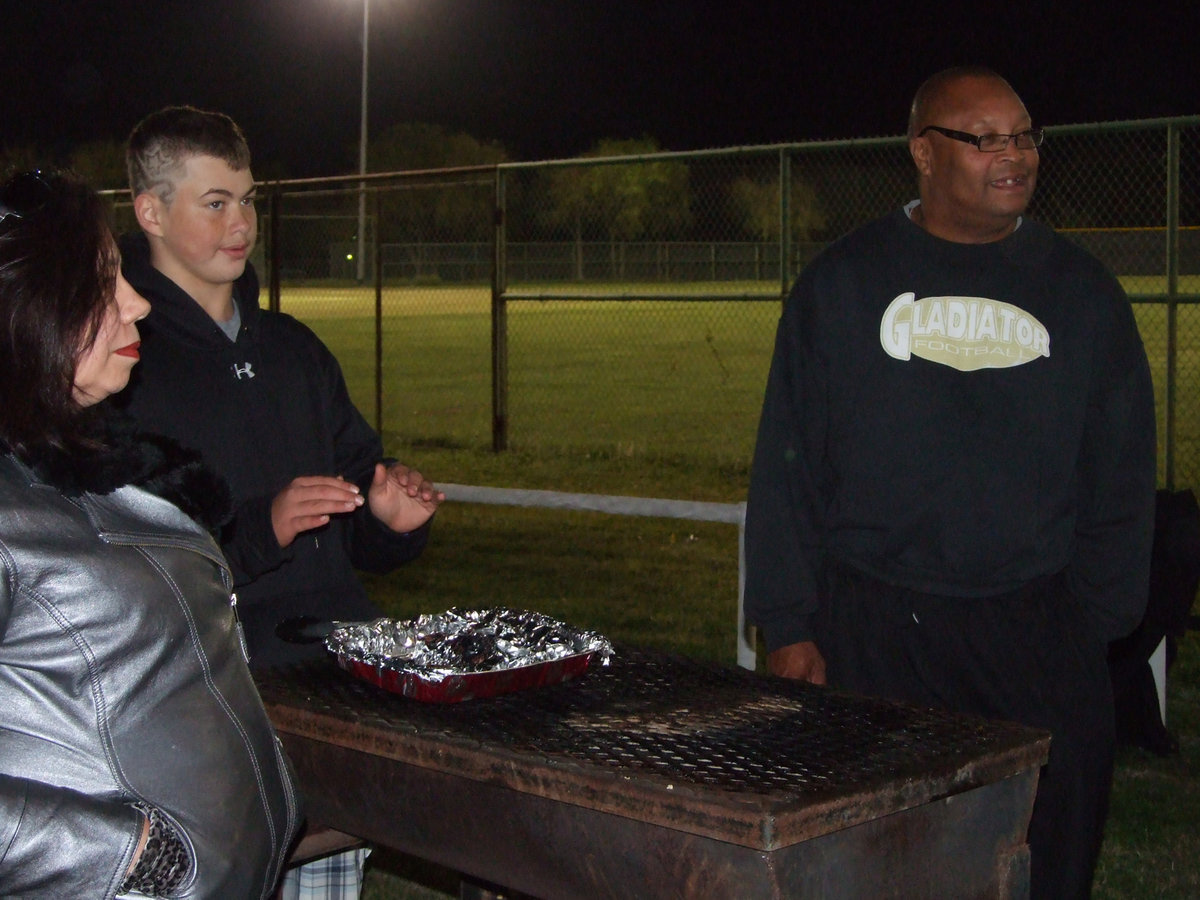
<point>470,685</point>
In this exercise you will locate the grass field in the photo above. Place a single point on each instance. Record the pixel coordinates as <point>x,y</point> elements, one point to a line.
<point>657,380</point>
<point>602,379</point>
<point>653,399</point>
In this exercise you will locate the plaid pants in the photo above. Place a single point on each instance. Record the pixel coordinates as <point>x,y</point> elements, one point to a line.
<point>336,877</point>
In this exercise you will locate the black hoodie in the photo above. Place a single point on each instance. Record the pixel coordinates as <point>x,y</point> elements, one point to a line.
<point>262,410</point>
<point>945,455</point>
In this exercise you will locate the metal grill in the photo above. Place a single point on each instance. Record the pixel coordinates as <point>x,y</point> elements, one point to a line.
<point>682,722</point>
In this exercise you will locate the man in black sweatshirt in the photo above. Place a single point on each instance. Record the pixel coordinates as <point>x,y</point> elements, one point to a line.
<point>952,493</point>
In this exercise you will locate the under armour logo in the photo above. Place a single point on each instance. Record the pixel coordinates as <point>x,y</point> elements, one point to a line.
<point>241,370</point>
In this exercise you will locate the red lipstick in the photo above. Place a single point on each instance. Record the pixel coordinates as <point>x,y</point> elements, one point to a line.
<point>131,350</point>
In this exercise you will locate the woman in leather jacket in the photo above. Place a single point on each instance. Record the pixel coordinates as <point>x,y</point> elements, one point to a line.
<point>135,755</point>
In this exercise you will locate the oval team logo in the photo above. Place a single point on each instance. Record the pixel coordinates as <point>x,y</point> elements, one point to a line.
<point>965,333</point>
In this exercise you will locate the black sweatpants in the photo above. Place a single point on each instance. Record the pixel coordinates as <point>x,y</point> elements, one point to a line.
<point>1030,656</point>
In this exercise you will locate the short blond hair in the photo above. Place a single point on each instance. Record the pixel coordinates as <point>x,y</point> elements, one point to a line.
<point>164,141</point>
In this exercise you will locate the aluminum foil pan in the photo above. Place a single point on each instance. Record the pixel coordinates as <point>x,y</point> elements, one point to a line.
<point>463,654</point>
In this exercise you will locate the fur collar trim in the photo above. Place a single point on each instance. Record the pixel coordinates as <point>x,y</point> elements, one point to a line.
<point>117,455</point>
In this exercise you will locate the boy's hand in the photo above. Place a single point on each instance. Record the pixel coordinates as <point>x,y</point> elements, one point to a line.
<point>401,498</point>
<point>308,502</point>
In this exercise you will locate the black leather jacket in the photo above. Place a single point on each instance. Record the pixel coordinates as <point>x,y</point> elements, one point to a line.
<point>123,679</point>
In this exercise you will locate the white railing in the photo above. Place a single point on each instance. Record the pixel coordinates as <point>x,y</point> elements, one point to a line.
<point>697,511</point>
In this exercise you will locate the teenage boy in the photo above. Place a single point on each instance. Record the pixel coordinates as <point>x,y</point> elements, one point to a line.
<point>264,401</point>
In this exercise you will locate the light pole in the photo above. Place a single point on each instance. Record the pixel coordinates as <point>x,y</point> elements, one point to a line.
<point>362,155</point>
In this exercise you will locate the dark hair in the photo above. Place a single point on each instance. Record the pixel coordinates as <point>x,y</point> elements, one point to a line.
<point>58,269</point>
<point>933,86</point>
<point>161,143</point>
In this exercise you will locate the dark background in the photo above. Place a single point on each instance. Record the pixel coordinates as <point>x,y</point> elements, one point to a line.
<point>548,78</point>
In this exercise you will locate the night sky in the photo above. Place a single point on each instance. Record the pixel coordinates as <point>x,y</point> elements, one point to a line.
<point>548,78</point>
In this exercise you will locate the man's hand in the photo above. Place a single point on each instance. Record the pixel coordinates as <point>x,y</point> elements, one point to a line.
<point>401,498</point>
<point>803,661</point>
<point>308,502</point>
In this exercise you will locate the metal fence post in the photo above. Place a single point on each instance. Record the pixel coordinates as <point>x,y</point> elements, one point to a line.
<point>274,248</point>
<point>1172,295</point>
<point>378,260</point>
<point>785,221</point>
<point>499,324</point>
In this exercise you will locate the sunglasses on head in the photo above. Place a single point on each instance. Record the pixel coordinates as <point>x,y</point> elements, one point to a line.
<point>24,195</point>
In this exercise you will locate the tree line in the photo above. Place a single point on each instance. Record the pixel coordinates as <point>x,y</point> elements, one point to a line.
<point>831,191</point>
<point>652,199</point>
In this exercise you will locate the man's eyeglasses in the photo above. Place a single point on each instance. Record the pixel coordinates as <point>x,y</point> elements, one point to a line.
<point>992,143</point>
<point>23,195</point>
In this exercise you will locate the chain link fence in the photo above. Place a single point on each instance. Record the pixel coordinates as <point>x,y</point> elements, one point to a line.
<point>628,305</point>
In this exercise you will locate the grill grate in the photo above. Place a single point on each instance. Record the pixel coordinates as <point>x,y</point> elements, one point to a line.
<point>680,720</point>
